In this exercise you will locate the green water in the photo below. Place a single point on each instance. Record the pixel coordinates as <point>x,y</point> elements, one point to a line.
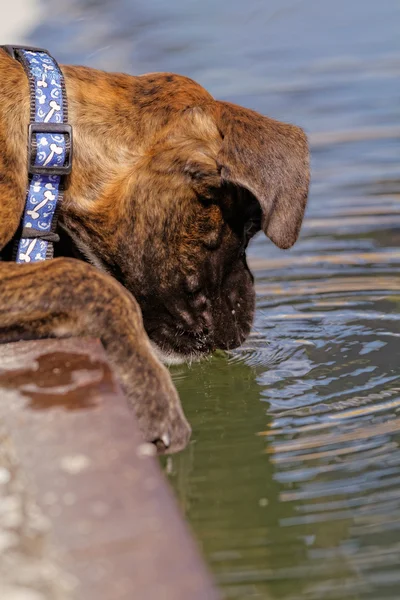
<point>291,483</point>
<point>292,480</point>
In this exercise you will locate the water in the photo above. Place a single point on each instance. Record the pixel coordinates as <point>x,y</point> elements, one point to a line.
<point>292,481</point>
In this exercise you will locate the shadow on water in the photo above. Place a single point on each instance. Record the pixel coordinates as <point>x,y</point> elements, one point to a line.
<point>226,483</point>
<point>292,481</point>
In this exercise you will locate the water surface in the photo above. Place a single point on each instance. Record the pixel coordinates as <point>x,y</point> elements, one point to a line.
<point>292,481</point>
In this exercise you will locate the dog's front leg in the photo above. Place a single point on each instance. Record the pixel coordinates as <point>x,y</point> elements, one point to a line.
<point>66,297</point>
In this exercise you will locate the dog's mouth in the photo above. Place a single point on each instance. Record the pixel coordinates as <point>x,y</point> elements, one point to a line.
<point>181,334</point>
<point>171,357</point>
<point>178,346</point>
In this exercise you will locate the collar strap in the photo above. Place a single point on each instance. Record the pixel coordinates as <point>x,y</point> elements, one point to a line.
<point>49,152</point>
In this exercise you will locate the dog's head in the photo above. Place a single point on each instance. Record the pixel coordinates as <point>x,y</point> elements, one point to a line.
<point>192,180</point>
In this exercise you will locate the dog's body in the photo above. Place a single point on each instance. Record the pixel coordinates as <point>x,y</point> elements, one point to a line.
<point>168,185</point>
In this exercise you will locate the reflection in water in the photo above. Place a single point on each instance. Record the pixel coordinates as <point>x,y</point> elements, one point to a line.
<point>315,510</point>
<point>292,482</point>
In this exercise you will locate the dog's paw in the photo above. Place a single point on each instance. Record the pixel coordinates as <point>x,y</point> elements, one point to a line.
<point>171,435</point>
<point>162,422</point>
<point>157,406</point>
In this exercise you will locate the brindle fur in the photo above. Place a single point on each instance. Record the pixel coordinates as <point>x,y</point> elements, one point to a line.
<point>168,185</point>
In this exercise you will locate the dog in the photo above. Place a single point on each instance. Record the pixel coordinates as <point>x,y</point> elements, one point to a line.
<point>168,187</point>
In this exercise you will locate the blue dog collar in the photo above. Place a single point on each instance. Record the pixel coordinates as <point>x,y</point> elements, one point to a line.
<point>49,152</point>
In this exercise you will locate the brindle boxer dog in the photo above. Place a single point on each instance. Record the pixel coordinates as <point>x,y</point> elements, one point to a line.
<point>168,186</point>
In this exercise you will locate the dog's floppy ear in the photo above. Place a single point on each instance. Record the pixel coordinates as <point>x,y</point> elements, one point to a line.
<point>271,160</point>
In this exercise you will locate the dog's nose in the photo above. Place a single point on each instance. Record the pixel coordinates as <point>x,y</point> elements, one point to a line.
<point>230,339</point>
<point>233,327</point>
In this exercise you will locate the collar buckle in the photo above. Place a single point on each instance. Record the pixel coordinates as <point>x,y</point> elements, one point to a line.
<point>49,128</point>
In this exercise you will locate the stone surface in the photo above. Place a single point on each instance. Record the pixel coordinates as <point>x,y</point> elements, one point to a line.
<point>102,522</point>
<point>30,567</point>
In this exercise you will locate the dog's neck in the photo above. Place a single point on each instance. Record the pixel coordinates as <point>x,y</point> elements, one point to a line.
<point>106,142</point>
<point>106,147</point>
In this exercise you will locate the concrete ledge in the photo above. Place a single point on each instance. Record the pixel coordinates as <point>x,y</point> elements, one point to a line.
<point>70,449</point>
